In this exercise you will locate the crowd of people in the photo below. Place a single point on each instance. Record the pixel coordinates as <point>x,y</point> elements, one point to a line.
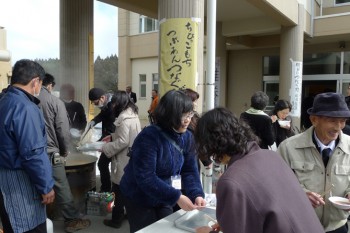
<point>155,170</point>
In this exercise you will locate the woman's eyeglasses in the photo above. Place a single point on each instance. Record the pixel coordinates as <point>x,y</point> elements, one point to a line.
<point>187,116</point>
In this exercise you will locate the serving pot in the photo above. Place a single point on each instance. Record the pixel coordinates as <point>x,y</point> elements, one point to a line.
<point>76,160</point>
<point>81,175</point>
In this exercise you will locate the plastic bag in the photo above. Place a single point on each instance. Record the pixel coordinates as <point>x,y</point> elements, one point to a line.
<point>92,146</point>
<point>99,203</point>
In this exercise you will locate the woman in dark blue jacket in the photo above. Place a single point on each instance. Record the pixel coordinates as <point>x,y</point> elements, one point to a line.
<point>162,170</point>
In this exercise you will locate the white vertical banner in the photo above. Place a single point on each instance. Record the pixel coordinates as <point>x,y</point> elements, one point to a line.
<point>295,90</point>
<point>217,82</point>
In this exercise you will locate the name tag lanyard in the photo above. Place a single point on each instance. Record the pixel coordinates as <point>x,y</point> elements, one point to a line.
<point>175,179</point>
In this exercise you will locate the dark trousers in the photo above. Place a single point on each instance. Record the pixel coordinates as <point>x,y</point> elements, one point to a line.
<point>6,221</point>
<point>63,195</point>
<point>140,217</point>
<point>118,209</point>
<point>343,229</point>
<point>39,229</point>
<point>103,166</point>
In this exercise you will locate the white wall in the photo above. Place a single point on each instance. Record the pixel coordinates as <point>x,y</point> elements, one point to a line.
<point>134,23</point>
<point>147,66</point>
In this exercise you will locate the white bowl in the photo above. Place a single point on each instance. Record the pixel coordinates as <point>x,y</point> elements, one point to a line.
<point>284,123</point>
<point>340,202</point>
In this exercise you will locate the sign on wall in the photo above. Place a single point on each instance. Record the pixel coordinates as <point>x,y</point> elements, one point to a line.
<point>178,54</point>
<point>295,90</point>
<point>217,82</point>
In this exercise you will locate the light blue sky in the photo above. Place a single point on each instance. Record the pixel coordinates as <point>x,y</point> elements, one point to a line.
<point>33,28</point>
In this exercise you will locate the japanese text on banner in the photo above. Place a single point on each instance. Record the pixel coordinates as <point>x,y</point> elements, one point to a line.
<point>178,54</point>
<point>295,91</point>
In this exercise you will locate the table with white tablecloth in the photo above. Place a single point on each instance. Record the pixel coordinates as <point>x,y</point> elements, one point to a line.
<point>167,224</point>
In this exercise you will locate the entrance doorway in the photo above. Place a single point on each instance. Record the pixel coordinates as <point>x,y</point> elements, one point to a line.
<point>309,90</point>
<point>317,87</point>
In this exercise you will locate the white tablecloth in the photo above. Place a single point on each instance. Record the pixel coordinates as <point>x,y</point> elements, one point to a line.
<point>165,225</point>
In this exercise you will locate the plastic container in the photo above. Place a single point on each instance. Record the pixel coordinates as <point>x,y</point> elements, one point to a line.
<point>49,226</point>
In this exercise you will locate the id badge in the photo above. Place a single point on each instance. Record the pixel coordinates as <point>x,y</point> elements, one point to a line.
<point>176,181</point>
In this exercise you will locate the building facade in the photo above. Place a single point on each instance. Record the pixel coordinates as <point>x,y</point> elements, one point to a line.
<point>5,60</point>
<point>256,45</point>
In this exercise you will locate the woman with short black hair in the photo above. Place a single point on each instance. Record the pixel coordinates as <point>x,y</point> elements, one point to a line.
<point>282,128</point>
<point>127,126</point>
<point>162,170</point>
<point>170,109</point>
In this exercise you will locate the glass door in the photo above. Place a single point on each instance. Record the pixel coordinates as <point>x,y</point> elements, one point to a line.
<point>309,90</point>
<point>345,88</point>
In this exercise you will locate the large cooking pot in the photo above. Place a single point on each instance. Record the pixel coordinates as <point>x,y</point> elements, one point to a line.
<point>81,174</point>
<point>76,160</point>
<point>84,166</point>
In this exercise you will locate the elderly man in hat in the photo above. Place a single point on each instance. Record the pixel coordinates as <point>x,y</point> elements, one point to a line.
<point>320,158</point>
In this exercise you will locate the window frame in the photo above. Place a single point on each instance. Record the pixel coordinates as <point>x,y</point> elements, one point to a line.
<point>143,22</point>
<point>143,84</point>
<point>341,4</point>
<point>155,81</point>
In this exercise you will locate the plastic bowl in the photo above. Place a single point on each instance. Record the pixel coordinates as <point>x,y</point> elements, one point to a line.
<point>284,123</point>
<point>340,202</point>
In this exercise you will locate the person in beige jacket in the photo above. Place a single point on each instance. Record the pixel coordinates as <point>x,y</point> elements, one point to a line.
<point>322,174</point>
<point>127,125</point>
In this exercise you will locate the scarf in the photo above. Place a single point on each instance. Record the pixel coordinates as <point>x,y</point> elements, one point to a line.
<point>255,111</point>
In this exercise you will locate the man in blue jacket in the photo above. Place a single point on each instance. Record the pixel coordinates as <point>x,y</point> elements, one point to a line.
<point>26,183</point>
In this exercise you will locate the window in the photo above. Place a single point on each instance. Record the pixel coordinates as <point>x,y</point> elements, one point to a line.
<point>346,63</point>
<point>345,88</point>
<point>155,79</point>
<point>342,1</point>
<point>271,65</point>
<point>147,24</point>
<point>271,90</point>
<point>321,63</point>
<point>142,85</point>
<point>314,63</point>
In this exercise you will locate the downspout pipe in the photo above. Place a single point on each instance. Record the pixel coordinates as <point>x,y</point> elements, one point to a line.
<point>210,79</point>
<point>211,45</point>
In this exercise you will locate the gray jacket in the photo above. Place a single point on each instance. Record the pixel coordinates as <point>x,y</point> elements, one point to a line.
<point>305,160</point>
<point>56,122</point>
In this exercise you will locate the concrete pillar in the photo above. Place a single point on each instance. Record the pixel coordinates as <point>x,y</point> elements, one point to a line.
<point>5,60</point>
<point>292,47</point>
<point>76,46</point>
<point>168,9</point>
<point>186,9</point>
<point>124,65</point>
